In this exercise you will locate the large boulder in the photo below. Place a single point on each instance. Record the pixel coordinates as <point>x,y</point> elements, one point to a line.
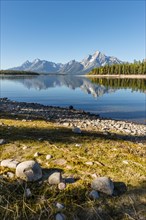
<point>29,171</point>
<point>10,163</point>
<point>103,184</point>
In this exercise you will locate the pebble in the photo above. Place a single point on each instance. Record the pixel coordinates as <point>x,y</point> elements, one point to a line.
<point>94,195</point>
<point>2,141</point>
<point>125,162</point>
<point>78,145</point>
<point>59,205</point>
<point>28,193</point>
<point>60,216</point>
<point>24,120</point>
<point>25,147</point>
<point>48,157</point>
<point>94,175</point>
<point>89,163</point>
<point>61,186</point>
<point>36,154</point>
<point>77,130</point>
<point>55,178</point>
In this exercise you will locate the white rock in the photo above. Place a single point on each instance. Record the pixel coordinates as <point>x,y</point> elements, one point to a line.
<point>61,186</point>
<point>55,178</point>
<point>59,205</point>
<point>125,161</point>
<point>10,163</point>
<point>36,154</point>
<point>89,163</point>
<point>78,145</point>
<point>94,175</point>
<point>25,147</point>
<point>48,157</point>
<point>29,170</point>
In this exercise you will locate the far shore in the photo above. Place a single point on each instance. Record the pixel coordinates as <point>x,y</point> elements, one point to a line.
<point>118,76</point>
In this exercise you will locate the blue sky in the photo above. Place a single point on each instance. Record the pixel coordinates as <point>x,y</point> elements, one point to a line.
<point>60,31</point>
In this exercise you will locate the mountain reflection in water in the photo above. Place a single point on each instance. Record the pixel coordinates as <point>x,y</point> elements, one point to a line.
<point>116,98</point>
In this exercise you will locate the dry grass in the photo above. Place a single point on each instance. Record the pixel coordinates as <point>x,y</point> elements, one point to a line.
<point>122,161</point>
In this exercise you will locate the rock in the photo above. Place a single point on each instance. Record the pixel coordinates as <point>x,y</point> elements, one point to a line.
<point>24,147</point>
<point>59,205</point>
<point>36,154</point>
<point>10,163</point>
<point>60,161</point>
<point>125,161</point>
<point>10,175</point>
<point>28,193</point>
<point>29,170</point>
<point>2,141</point>
<point>60,216</point>
<point>61,186</point>
<point>78,145</point>
<point>94,195</point>
<point>48,157</point>
<point>89,163</point>
<point>71,107</point>
<point>94,175</point>
<point>55,178</point>
<point>103,184</point>
<point>77,130</point>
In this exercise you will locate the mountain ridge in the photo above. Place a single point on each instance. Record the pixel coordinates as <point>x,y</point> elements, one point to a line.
<point>72,67</point>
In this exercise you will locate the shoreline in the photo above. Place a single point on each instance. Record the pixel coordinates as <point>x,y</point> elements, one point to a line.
<point>71,118</point>
<point>118,76</point>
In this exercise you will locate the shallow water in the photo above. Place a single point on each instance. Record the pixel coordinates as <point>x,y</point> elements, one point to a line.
<point>112,98</point>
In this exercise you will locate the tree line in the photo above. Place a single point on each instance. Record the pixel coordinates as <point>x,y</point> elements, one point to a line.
<point>17,72</point>
<point>133,84</point>
<point>136,68</point>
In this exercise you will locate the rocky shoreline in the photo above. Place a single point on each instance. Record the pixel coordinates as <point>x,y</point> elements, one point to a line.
<point>72,118</point>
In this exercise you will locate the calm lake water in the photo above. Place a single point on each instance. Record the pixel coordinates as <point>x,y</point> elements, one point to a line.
<point>111,98</point>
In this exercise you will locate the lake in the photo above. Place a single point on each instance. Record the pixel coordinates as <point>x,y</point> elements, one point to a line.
<point>123,99</point>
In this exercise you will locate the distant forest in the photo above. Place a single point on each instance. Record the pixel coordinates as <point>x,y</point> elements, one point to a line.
<point>134,84</point>
<point>17,72</point>
<point>136,68</point>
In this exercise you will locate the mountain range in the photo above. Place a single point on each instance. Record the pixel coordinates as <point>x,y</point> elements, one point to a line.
<point>73,67</point>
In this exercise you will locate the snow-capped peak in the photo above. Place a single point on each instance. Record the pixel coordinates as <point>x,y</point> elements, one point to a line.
<point>72,67</point>
<point>36,60</point>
